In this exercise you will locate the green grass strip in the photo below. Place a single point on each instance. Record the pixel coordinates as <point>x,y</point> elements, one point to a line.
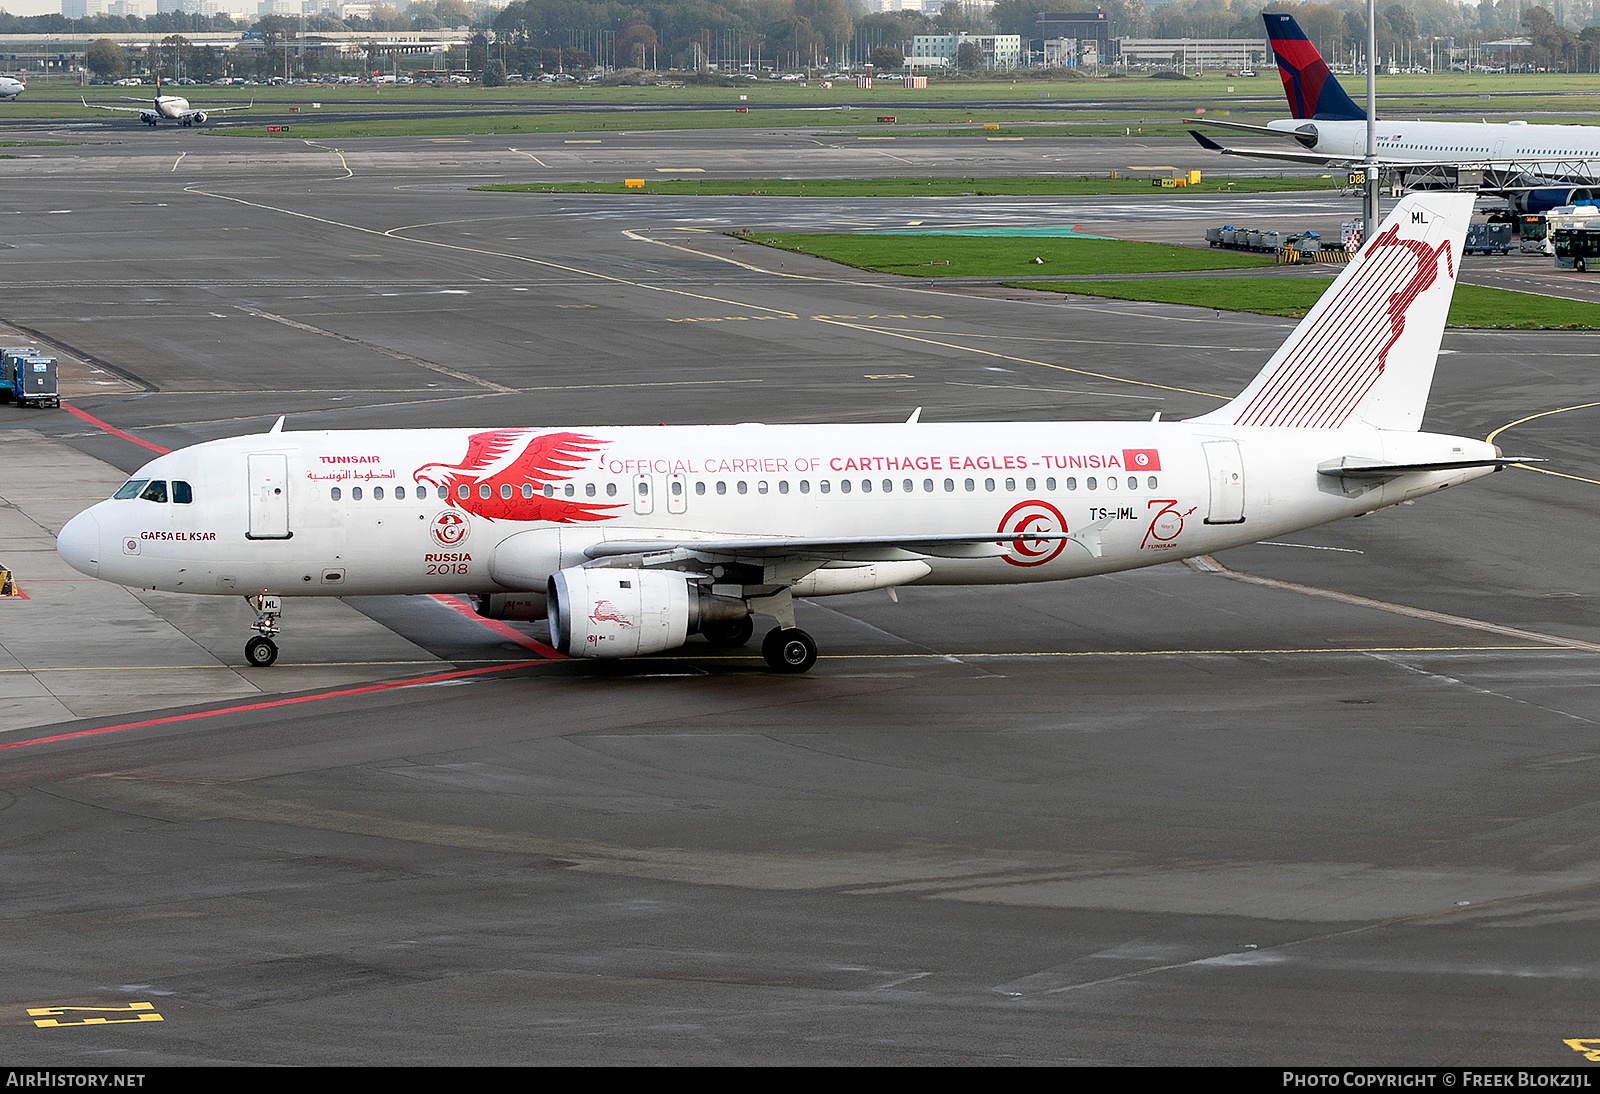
<point>913,187</point>
<point>1000,256</point>
<point>1473,306</point>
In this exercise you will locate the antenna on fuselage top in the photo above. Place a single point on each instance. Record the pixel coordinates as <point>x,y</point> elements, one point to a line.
<point>277,426</point>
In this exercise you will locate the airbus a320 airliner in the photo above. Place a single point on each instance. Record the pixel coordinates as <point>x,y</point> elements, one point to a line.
<point>632,539</point>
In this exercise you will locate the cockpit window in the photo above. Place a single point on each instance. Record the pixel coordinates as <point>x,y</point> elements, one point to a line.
<point>131,488</point>
<point>156,491</point>
<point>182,494</point>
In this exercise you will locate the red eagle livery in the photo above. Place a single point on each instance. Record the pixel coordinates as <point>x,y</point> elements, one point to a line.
<point>631,541</point>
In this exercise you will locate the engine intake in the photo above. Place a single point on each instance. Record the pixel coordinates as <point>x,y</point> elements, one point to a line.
<point>1542,201</point>
<point>605,612</point>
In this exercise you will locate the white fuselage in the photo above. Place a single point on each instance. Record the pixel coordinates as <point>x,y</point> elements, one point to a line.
<point>10,88</point>
<point>1533,147</point>
<point>417,511</point>
<point>172,106</point>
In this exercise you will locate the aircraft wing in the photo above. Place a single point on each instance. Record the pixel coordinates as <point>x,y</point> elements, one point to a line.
<point>1245,127</point>
<point>147,108</point>
<point>847,549</point>
<point>211,110</point>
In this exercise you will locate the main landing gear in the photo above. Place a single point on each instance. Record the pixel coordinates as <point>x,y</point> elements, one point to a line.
<point>789,649</point>
<point>786,649</point>
<point>263,651</point>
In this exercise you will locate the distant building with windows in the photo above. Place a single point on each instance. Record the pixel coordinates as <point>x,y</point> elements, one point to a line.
<point>1060,52</point>
<point>1195,53</point>
<point>1087,27</point>
<point>939,50</point>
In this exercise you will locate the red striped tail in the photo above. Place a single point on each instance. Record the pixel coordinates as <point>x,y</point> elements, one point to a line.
<point>1364,355</point>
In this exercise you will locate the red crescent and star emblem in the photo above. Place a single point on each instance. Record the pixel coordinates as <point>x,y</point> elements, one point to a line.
<point>450,529</point>
<point>1032,516</point>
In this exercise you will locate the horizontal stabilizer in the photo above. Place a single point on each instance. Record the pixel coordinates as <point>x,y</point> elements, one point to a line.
<point>1319,159</point>
<point>1353,467</point>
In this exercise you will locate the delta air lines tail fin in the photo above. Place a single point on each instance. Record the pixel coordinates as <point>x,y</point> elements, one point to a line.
<point>1364,354</point>
<point>1314,95</point>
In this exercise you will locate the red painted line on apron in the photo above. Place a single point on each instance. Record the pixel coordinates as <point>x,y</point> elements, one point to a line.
<point>271,703</point>
<point>455,603</point>
<point>107,427</point>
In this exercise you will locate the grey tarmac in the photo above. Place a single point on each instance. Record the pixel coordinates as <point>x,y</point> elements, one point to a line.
<point>1323,801</point>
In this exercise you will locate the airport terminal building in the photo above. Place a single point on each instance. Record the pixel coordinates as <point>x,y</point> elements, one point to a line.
<point>1235,54</point>
<point>939,50</point>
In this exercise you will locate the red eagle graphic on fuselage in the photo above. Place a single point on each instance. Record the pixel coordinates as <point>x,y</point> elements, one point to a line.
<point>505,461</point>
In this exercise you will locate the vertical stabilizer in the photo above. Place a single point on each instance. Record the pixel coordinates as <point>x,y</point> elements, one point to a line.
<point>1314,95</point>
<point>1364,354</point>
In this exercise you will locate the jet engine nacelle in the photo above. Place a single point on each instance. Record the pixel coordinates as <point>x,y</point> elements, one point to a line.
<point>606,612</point>
<point>200,117</point>
<point>148,117</point>
<point>1542,201</point>
<point>511,605</point>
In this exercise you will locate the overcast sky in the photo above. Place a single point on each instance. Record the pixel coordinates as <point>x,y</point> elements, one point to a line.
<point>32,7</point>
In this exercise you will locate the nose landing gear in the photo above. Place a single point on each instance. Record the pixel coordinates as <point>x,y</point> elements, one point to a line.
<point>263,651</point>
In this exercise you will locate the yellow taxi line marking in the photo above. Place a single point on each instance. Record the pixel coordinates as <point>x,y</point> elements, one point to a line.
<point>1207,564</point>
<point>46,1017</point>
<point>1534,417</point>
<point>235,668</point>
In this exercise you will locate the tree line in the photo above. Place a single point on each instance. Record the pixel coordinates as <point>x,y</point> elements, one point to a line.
<point>534,36</point>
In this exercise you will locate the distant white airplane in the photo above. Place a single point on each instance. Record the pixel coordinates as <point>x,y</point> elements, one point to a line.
<point>12,86</point>
<point>632,539</point>
<point>1537,167</point>
<point>172,108</point>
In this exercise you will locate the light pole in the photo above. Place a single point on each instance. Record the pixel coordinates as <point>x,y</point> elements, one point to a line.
<point>1369,204</point>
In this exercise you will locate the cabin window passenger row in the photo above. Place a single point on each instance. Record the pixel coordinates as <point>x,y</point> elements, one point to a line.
<point>182,494</point>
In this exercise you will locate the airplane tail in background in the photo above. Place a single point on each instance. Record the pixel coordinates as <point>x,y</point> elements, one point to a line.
<point>1314,95</point>
<point>1364,354</point>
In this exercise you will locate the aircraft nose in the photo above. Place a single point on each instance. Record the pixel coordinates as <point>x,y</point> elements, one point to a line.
<point>79,544</point>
